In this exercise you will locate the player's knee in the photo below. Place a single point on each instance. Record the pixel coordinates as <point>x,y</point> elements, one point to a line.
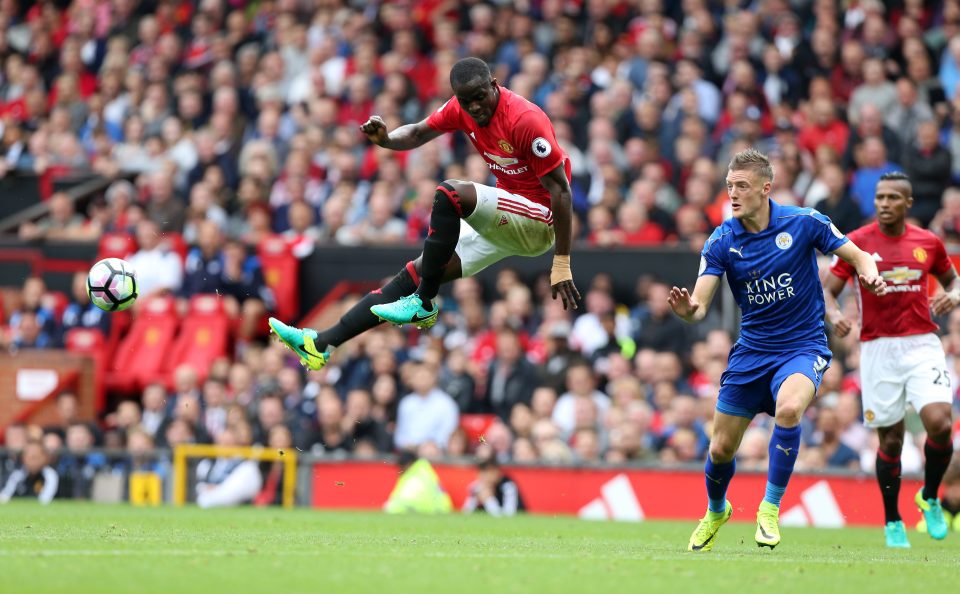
<point>722,450</point>
<point>891,443</point>
<point>939,429</point>
<point>789,413</point>
<point>448,198</point>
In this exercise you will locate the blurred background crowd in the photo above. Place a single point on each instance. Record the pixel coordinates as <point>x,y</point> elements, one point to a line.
<point>225,122</point>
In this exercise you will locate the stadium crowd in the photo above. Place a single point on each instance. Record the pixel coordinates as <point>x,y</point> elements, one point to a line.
<point>226,121</point>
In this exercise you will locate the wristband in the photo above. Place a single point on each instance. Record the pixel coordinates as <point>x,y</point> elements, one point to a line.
<point>561,270</point>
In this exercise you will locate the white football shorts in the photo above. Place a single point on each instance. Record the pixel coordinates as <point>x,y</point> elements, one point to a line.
<point>502,225</point>
<point>900,370</point>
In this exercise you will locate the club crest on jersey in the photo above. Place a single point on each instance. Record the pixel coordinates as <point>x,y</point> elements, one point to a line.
<point>784,240</point>
<point>503,220</point>
<point>505,146</point>
<point>920,254</point>
<point>541,147</point>
<point>869,415</point>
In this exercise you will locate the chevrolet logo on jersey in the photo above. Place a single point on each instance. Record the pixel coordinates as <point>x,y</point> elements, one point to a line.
<point>901,275</point>
<point>501,161</point>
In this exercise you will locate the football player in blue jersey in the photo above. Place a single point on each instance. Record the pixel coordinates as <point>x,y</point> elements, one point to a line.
<point>768,253</point>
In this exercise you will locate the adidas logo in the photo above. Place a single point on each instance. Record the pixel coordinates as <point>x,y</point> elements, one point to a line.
<point>818,507</point>
<point>503,220</point>
<point>617,501</point>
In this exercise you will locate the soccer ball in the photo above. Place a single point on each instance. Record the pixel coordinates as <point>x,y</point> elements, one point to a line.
<point>112,284</point>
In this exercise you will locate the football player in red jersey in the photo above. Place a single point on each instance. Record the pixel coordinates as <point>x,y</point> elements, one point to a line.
<point>471,225</point>
<point>901,358</point>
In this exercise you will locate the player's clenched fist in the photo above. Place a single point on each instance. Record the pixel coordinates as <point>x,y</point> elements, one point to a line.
<point>375,129</point>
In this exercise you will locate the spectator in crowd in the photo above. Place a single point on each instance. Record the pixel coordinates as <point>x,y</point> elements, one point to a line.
<point>77,465</point>
<point>871,164</point>
<point>426,414</point>
<point>928,165</point>
<point>80,312</point>
<point>835,452</point>
<point>34,478</point>
<point>161,268</point>
<point>581,386</point>
<point>493,492</point>
<point>154,403</point>
<point>511,378</point>
<point>62,223</point>
<point>229,481</point>
<point>836,203</point>
<point>908,112</point>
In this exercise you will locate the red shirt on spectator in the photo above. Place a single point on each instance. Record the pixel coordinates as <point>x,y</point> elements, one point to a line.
<point>835,135</point>
<point>649,233</point>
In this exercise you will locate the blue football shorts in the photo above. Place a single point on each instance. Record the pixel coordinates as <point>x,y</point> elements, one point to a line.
<point>753,378</point>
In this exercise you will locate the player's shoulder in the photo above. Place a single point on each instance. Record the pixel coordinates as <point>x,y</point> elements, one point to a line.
<point>723,232</point>
<point>523,113</point>
<point>920,234</point>
<point>801,214</point>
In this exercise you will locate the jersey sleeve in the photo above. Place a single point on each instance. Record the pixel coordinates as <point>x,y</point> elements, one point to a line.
<point>712,258</point>
<point>826,237</point>
<point>537,142</point>
<point>941,261</point>
<point>447,117</point>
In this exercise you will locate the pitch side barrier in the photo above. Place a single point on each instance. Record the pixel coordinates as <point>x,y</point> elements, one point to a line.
<point>635,492</point>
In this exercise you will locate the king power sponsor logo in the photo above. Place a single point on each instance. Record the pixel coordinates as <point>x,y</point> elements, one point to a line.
<point>818,507</point>
<point>617,501</point>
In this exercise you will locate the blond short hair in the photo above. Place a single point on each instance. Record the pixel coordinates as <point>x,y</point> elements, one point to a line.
<point>752,160</point>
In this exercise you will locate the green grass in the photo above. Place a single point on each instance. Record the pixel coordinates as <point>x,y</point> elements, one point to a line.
<point>78,548</point>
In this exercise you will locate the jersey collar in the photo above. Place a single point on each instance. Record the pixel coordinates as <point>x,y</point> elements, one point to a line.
<point>774,216</point>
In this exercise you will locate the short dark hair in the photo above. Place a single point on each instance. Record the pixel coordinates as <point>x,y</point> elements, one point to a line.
<point>468,70</point>
<point>900,177</point>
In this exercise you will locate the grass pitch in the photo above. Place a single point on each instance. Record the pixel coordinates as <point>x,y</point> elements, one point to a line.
<point>80,548</point>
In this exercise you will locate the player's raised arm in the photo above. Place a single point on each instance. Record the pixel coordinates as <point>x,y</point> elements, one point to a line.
<point>404,138</point>
<point>865,266</point>
<point>832,287</point>
<point>561,203</point>
<point>694,307</point>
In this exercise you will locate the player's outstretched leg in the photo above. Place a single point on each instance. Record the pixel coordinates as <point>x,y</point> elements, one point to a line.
<point>718,472</point>
<point>453,201</point>
<point>937,451</point>
<point>719,509</point>
<point>793,397</point>
<point>315,348</point>
<point>888,477</point>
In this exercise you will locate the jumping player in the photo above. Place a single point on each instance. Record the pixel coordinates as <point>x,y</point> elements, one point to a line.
<point>901,358</point>
<point>768,253</point>
<point>529,209</point>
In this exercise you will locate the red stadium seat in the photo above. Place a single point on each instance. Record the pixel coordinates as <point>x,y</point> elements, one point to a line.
<point>281,270</point>
<point>59,301</point>
<point>91,341</point>
<point>116,245</point>
<point>141,354</point>
<point>176,243</point>
<point>475,425</point>
<point>204,337</point>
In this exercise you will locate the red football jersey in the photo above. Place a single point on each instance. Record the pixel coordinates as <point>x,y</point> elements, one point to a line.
<point>904,262</point>
<point>519,144</point>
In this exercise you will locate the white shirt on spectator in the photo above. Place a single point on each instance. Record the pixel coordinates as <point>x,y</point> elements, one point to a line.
<point>420,419</point>
<point>241,483</point>
<point>158,269</point>
<point>564,415</point>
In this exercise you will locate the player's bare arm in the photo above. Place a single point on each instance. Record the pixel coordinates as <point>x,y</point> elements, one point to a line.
<point>943,302</point>
<point>832,287</point>
<point>561,203</point>
<point>404,138</point>
<point>866,268</point>
<point>694,307</point>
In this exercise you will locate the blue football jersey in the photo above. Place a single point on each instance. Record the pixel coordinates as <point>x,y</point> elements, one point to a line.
<point>774,277</point>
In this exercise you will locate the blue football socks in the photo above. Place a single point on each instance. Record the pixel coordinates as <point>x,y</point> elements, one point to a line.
<point>784,447</point>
